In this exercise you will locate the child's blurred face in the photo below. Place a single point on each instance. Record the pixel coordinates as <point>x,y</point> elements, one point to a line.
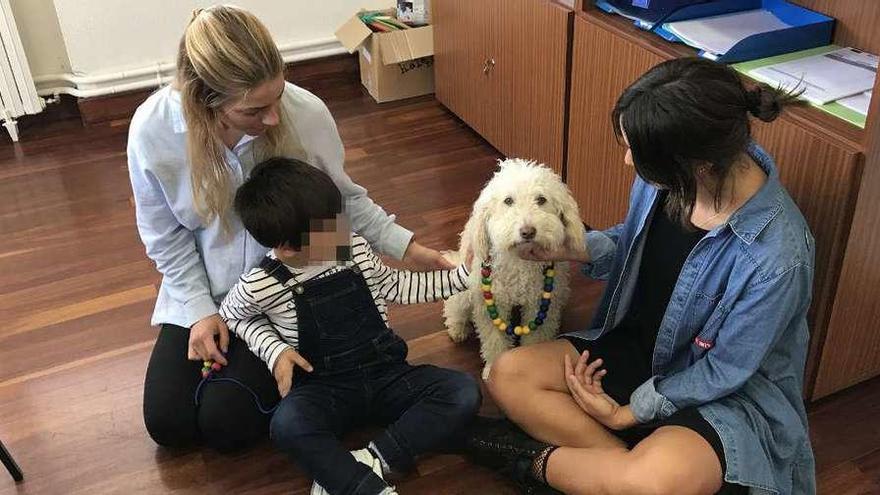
<point>327,241</point>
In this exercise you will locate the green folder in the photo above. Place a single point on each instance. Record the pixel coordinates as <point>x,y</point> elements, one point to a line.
<point>833,108</point>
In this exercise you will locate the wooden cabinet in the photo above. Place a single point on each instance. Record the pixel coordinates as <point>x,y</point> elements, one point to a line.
<point>851,351</point>
<point>856,21</point>
<point>604,64</point>
<point>502,66</point>
<point>822,176</point>
<point>465,36</point>
<point>532,69</point>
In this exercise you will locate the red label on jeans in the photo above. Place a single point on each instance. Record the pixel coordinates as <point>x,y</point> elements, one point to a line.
<point>705,344</point>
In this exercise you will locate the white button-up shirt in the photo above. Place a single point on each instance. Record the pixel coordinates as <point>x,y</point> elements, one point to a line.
<point>200,263</point>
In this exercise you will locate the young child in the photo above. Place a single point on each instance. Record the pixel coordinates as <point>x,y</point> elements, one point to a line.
<point>317,303</point>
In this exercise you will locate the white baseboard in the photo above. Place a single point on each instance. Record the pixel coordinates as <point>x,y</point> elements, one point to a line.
<point>154,75</point>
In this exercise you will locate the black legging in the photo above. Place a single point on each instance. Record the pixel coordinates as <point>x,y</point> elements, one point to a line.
<point>227,418</point>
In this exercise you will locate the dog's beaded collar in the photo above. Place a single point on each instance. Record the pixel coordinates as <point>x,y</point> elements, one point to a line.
<point>492,310</point>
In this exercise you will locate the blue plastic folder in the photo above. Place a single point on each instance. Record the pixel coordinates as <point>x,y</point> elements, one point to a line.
<point>808,29</point>
<point>650,14</point>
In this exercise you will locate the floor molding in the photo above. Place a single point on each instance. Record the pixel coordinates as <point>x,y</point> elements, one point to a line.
<point>157,74</point>
<point>102,109</point>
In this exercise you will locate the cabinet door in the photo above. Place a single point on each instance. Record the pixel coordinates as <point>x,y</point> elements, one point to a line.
<point>604,64</point>
<point>822,177</point>
<point>531,70</point>
<point>465,33</point>
<point>852,348</point>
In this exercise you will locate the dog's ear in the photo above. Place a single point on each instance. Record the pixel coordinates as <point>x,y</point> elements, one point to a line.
<point>571,219</point>
<point>474,237</point>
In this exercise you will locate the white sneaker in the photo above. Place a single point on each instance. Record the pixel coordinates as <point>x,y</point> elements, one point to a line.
<point>363,456</point>
<point>318,489</point>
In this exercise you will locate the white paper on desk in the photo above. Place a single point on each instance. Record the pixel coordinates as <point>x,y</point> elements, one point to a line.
<point>858,103</point>
<point>826,77</point>
<point>718,34</point>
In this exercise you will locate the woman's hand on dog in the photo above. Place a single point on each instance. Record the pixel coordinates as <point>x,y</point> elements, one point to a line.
<point>585,384</point>
<point>426,258</point>
<point>534,252</point>
<point>283,371</point>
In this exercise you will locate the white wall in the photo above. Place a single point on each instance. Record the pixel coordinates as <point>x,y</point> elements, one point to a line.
<point>101,38</point>
<point>41,36</point>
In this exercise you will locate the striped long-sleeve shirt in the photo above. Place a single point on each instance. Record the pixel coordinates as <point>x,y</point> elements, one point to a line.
<point>261,311</point>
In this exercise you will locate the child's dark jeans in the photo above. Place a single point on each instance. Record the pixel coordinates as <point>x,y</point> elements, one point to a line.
<point>361,376</point>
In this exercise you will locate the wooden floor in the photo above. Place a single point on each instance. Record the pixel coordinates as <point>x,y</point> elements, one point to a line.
<point>76,292</point>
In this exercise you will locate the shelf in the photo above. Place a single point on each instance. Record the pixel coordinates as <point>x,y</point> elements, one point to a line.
<point>811,119</point>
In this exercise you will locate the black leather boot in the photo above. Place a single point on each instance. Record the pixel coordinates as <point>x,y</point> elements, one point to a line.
<point>499,444</point>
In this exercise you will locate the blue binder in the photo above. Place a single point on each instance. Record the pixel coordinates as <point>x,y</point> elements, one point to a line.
<point>808,29</point>
<point>650,13</point>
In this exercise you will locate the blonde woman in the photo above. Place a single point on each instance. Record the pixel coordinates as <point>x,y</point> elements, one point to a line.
<point>190,146</point>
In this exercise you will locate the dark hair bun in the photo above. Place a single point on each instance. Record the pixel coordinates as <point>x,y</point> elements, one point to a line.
<point>766,103</point>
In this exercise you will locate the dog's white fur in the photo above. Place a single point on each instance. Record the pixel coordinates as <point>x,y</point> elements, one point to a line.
<point>494,229</point>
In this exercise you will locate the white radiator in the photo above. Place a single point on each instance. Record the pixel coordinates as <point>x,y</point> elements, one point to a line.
<point>18,95</point>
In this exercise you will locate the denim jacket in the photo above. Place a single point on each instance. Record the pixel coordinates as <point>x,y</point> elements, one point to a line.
<point>734,338</point>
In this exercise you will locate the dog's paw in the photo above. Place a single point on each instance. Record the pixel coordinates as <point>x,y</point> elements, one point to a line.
<point>486,370</point>
<point>458,333</point>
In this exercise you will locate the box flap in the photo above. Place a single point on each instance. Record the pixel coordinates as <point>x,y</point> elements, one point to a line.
<point>407,44</point>
<point>353,33</point>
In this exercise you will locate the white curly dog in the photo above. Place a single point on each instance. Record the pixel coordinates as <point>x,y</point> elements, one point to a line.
<point>523,203</point>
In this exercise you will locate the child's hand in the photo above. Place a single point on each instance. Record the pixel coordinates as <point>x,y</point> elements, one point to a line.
<point>426,258</point>
<point>284,369</point>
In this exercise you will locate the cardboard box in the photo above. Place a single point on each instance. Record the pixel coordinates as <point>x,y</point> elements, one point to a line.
<point>394,65</point>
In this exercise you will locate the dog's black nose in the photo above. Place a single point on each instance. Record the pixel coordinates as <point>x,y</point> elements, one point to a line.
<point>527,233</point>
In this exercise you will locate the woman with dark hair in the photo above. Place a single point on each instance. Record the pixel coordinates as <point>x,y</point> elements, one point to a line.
<point>689,379</point>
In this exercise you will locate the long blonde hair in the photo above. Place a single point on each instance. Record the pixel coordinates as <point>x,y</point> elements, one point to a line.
<point>224,53</point>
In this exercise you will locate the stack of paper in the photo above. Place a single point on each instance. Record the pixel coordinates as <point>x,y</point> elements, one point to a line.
<point>718,34</point>
<point>858,103</point>
<point>828,77</point>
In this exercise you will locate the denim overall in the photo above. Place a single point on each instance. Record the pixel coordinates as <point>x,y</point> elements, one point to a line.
<point>360,377</point>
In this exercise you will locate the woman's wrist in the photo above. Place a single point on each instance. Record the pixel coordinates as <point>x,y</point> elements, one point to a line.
<point>425,258</point>
<point>623,418</point>
<point>411,244</point>
<point>410,250</point>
